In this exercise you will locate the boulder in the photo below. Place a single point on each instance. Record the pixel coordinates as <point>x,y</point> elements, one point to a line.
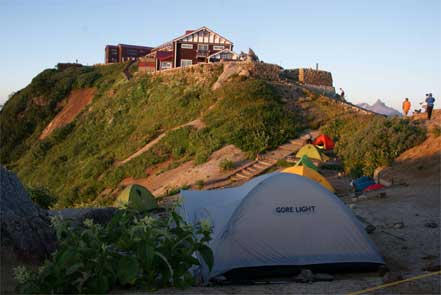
<point>323,277</point>
<point>431,225</point>
<point>24,225</point>
<point>392,276</point>
<point>77,216</point>
<point>370,228</point>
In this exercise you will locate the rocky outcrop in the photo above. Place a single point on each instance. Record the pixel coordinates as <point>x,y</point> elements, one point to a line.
<point>24,225</point>
<point>260,70</point>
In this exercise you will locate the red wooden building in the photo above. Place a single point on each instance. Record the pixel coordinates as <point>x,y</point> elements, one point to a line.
<point>195,46</point>
<point>124,52</point>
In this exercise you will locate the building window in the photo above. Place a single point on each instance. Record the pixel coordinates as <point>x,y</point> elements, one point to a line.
<point>166,65</point>
<point>203,47</point>
<point>186,62</point>
<point>218,47</point>
<point>187,46</point>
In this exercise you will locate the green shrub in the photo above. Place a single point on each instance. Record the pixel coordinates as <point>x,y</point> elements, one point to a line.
<point>199,184</point>
<point>226,164</point>
<point>87,80</point>
<point>133,250</point>
<point>60,134</point>
<point>283,163</point>
<point>41,196</point>
<point>436,131</point>
<point>367,142</point>
<point>174,190</point>
<point>41,148</point>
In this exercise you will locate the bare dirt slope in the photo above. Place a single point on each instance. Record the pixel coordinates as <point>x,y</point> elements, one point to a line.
<point>419,165</point>
<point>197,123</point>
<point>189,172</point>
<point>75,103</point>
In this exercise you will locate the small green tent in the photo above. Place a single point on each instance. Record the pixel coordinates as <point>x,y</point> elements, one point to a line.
<point>312,152</point>
<point>137,197</point>
<point>305,161</point>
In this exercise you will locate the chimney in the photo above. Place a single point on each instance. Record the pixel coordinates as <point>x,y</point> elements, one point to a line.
<point>188,31</point>
<point>316,66</point>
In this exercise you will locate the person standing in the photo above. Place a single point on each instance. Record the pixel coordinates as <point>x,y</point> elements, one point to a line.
<point>406,106</point>
<point>430,100</point>
<point>342,94</point>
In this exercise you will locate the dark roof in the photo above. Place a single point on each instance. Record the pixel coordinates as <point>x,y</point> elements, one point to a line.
<point>164,55</point>
<point>135,46</point>
<point>187,32</point>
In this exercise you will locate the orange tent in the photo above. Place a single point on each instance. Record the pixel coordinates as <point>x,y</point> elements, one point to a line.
<point>311,174</point>
<point>325,142</point>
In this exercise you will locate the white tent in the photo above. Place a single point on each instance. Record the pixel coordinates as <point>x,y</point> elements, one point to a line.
<point>278,219</point>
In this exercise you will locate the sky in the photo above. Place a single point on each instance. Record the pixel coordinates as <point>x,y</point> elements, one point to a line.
<point>384,50</point>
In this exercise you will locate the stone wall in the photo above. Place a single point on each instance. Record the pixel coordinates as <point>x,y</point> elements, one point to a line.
<point>323,90</point>
<point>309,76</point>
<point>270,72</point>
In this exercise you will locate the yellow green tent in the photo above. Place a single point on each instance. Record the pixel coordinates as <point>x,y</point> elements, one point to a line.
<point>136,197</point>
<point>311,174</point>
<point>312,152</point>
<point>305,161</point>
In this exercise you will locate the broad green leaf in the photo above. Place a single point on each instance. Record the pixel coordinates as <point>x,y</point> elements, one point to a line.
<point>182,241</point>
<point>73,268</point>
<point>127,271</point>
<point>166,262</point>
<point>207,255</point>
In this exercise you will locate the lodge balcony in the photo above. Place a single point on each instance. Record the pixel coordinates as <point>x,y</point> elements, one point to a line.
<point>202,53</point>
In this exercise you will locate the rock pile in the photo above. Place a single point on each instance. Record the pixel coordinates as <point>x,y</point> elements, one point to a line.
<point>24,225</point>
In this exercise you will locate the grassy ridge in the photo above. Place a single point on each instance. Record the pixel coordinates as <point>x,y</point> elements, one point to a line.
<point>76,162</point>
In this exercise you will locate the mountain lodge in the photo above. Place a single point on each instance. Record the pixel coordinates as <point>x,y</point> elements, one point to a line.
<point>194,46</point>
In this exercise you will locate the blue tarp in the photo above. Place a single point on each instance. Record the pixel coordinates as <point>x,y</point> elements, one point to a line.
<point>361,183</point>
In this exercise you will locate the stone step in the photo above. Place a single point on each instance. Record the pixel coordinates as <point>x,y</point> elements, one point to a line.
<point>260,166</point>
<point>247,172</point>
<point>266,162</point>
<point>288,147</point>
<point>242,176</point>
<point>297,143</point>
<point>253,168</point>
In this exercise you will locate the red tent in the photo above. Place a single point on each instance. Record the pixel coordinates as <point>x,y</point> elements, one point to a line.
<point>325,141</point>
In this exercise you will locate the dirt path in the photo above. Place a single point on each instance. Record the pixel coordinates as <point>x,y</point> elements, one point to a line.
<point>77,100</point>
<point>189,172</point>
<point>197,123</point>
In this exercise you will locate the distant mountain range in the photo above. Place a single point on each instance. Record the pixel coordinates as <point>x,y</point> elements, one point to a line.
<point>381,108</point>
